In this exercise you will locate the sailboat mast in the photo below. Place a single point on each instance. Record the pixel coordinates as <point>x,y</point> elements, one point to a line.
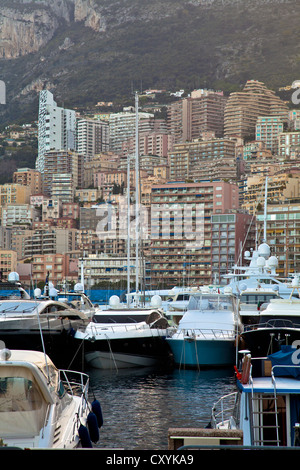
<point>137,221</point>
<point>128,228</point>
<point>265,210</point>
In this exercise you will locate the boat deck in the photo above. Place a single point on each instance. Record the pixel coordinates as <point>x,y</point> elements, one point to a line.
<point>266,385</point>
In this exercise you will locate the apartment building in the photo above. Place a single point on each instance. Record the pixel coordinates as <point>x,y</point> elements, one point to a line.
<point>92,137</point>
<point>19,236</point>
<point>243,108</point>
<point>14,214</point>
<point>87,196</point>
<point>289,145</point>
<point>233,233</point>
<point>294,119</point>
<point>56,128</point>
<point>202,112</point>
<point>29,177</point>
<point>122,126</point>
<point>13,193</point>
<point>109,268</point>
<point>282,187</point>
<point>51,209</point>
<point>267,130</point>
<point>8,263</point>
<point>118,178</point>
<point>106,161</point>
<point>63,187</point>
<point>181,230</point>
<point>62,162</point>
<point>56,267</point>
<point>203,159</point>
<point>154,139</point>
<point>51,241</point>
<point>283,235</point>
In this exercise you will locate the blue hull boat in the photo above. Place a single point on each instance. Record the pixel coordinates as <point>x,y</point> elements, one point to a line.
<point>207,331</point>
<point>192,353</point>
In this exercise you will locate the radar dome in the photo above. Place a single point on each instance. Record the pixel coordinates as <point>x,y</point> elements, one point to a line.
<point>13,277</point>
<point>272,262</point>
<point>37,292</point>
<point>114,301</point>
<point>156,301</point>
<point>78,287</point>
<point>264,250</point>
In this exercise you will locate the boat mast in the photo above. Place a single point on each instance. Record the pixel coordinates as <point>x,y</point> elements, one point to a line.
<point>265,211</point>
<point>128,228</point>
<point>137,221</point>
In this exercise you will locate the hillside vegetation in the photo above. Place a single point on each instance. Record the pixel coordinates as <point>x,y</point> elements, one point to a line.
<point>170,45</point>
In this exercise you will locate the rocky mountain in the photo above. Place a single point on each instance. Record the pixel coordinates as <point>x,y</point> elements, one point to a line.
<point>93,50</point>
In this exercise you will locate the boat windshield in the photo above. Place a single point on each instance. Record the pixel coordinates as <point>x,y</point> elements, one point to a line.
<point>130,318</point>
<point>210,302</point>
<point>17,306</point>
<point>257,298</point>
<point>22,407</point>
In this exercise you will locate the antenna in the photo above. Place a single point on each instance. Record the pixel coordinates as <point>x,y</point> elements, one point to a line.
<point>41,331</point>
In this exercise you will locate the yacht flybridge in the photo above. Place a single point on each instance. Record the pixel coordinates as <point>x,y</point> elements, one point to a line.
<point>261,272</point>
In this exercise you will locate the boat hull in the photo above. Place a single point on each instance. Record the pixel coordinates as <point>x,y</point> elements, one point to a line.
<point>193,353</point>
<point>58,344</point>
<point>127,352</point>
<point>265,341</point>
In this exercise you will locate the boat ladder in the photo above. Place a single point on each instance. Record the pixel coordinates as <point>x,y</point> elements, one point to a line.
<point>264,415</point>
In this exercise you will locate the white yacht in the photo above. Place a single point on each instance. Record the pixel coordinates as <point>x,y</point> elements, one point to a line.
<point>122,337</point>
<point>34,324</point>
<point>41,406</point>
<point>260,271</point>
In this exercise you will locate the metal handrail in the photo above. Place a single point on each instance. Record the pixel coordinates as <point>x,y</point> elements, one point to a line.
<point>229,410</point>
<point>205,332</point>
<point>95,329</point>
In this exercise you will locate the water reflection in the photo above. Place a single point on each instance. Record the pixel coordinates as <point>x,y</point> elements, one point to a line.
<point>140,405</point>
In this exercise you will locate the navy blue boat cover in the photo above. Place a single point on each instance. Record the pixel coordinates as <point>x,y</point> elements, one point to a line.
<point>287,356</point>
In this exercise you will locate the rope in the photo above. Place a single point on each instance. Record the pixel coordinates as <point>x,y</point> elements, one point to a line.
<point>111,352</point>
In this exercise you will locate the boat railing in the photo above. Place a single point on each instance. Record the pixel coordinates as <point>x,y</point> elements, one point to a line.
<point>73,382</point>
<point>225,410</point>
<point>205,333</point>
<point>97,328</point>
<point>273,323</point>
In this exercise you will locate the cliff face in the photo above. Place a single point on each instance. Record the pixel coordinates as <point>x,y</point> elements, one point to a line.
<point>27,26</point>
<point>86,51</point>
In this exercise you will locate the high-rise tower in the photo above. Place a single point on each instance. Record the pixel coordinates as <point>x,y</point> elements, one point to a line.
<point>56,128</point>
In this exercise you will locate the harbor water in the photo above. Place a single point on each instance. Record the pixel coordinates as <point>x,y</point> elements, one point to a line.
<point>140,405</point>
